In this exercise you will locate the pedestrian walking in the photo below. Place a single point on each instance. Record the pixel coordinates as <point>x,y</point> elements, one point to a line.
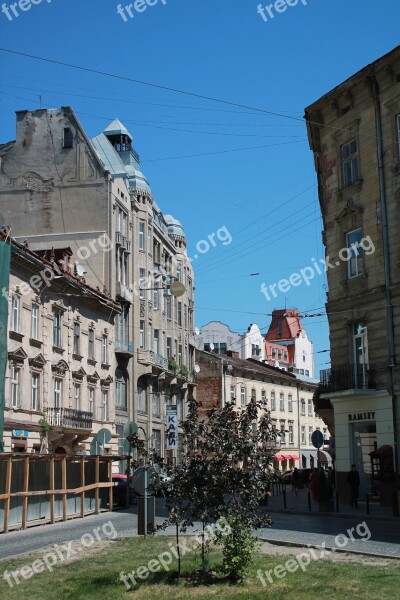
<point>353,479</point>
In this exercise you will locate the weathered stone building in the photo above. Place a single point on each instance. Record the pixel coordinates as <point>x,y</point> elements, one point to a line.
<point>61,359</point>
<point>58,189</point>
<point>354,132</point>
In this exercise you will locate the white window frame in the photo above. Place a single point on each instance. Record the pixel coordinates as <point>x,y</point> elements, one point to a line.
<point>77,396</point>
<point>310,407</point>
<point>243,396</point>
<point>273,401</point>
<point>282,402</point>
<point>35,391</point>
<point>290,403</point>
<point>104,405</point>
<point>15,313</point>
<point>58,385</point>
<point>15,386</point>
<point>303,435</point>
<point>141,236</point>
<point>291,434</point>
<point>77,338</point>
<point>91,344</point>
<point>35,316</point>
<point>302,407</point>
<point>91,399</point>
<point>355,264</point>
<point>57,329</point>
<point>104,349</point>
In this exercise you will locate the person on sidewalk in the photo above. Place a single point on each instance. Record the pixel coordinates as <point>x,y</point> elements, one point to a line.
<point>314,484</point>
<point>353,479</point>
<point>295,481</point>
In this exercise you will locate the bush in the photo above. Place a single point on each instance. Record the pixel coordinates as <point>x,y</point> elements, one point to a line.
<point>239,547</point>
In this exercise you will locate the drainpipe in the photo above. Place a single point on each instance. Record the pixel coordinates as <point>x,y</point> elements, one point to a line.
<point>386,255</point>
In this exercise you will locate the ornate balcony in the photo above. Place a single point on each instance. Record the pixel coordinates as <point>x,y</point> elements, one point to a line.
<point>347,377</point>
<point>150,358</point>
<point>68,418</point>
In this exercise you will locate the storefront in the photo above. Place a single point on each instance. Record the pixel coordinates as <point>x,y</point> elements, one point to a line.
<point>363,424</point>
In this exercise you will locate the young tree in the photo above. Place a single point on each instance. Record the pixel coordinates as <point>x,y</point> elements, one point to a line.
<point>226,472</point>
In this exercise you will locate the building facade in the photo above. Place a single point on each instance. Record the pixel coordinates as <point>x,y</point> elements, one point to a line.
<point>287,345</point>
<point>290,401</point>
<point>59,188</point>
<point>59,386</point>
<point>354,133</point>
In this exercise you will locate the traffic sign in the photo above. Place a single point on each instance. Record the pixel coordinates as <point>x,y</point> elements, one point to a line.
<point>177,289</point>
<point>317,439</point>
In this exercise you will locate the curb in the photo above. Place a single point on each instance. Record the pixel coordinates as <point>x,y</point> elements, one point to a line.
<point>335,515</point>
<point>330,548</point>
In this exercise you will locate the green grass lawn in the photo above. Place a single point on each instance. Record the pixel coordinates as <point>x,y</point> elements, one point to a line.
<point>95,576</point>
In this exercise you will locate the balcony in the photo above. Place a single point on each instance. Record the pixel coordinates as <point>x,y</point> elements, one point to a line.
<point>347,377</point>
<point>118,238</point>
<point>127,246</point>
<point>69,418</point>
<point>150,358</point>
<point>124,348</point>
<point>121,291</point>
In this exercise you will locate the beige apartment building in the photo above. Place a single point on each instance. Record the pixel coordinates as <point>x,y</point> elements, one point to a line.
<point>223,378</point>
<point>354,133</point>
<point>61,359</point>
<point>60,189</point>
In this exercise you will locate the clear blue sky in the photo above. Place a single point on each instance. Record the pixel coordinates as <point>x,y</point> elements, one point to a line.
<point>265,196</point>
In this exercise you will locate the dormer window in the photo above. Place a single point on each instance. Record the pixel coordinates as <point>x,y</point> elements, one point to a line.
<point>68,138</point>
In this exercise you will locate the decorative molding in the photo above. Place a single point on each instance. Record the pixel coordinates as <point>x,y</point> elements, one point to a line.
<point>18,355</point>
<point>60,368</point>
<point>37,361</point>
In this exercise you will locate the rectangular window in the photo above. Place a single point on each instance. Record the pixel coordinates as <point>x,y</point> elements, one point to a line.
<point>281,402</point>
<point>77,397</point>
<point>349,163</point>
<point>104,349</point>
<point>175,309</point>
<point>91,344</point>
<point>355,263</point>
<point>263,396</point>
<point>243,396</point>
<point>156,300</point>
<point>91,400</point>
<point>360,350</point>
<point>57,341</point>
<point>15,313</point>
<point>310,408</point>
<point>120,394</point>
<point>157,441</point>
<point>273,401</point>
<point>169,348</point>
<point>57,392</point>
<point>149,286</point>
<point>303,435</point>
<point>77,339</point>
<point>141,235</point>
<point>168,306</point>
<point>156,341</point>
<point>283,435</point>
<point>141,400</point>
<point>156,404</point>
<point>104,405</point>
<point>15,387</point>
<point>142,276</point>
<point>141,335</point>
<point>291,437</point>
<point>290,403</point>
<point>310,432</point>
<point>303,407</point>
<point>233,392</point>
<point>35,400</point>
<point>179,271</point>
<point>35,322</point>
<point>273,353</point>
<point>180,313</point>
<point>68,138</point>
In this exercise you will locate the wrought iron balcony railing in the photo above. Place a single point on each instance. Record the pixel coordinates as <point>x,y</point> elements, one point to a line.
<point>69,418</point>
<point>347,377</point>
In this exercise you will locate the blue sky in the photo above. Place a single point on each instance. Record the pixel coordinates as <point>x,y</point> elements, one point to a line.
<point>211,165</point>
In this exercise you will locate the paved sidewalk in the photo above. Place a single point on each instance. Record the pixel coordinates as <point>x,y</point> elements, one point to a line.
<point>318,529</point>
<point>299,505</point>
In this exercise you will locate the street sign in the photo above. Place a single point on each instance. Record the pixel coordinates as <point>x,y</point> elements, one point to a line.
<point>317,439</point>
<point>172,427</point>
<point>177,289</point>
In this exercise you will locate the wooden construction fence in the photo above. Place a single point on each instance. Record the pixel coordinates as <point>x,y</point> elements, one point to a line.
<point>45,488</point>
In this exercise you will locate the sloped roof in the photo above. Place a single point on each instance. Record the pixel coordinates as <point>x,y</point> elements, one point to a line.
<point>116,127</point>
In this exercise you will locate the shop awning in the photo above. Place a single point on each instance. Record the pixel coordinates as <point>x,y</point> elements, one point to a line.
<point>286,457</point>
<point>324,456</point>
